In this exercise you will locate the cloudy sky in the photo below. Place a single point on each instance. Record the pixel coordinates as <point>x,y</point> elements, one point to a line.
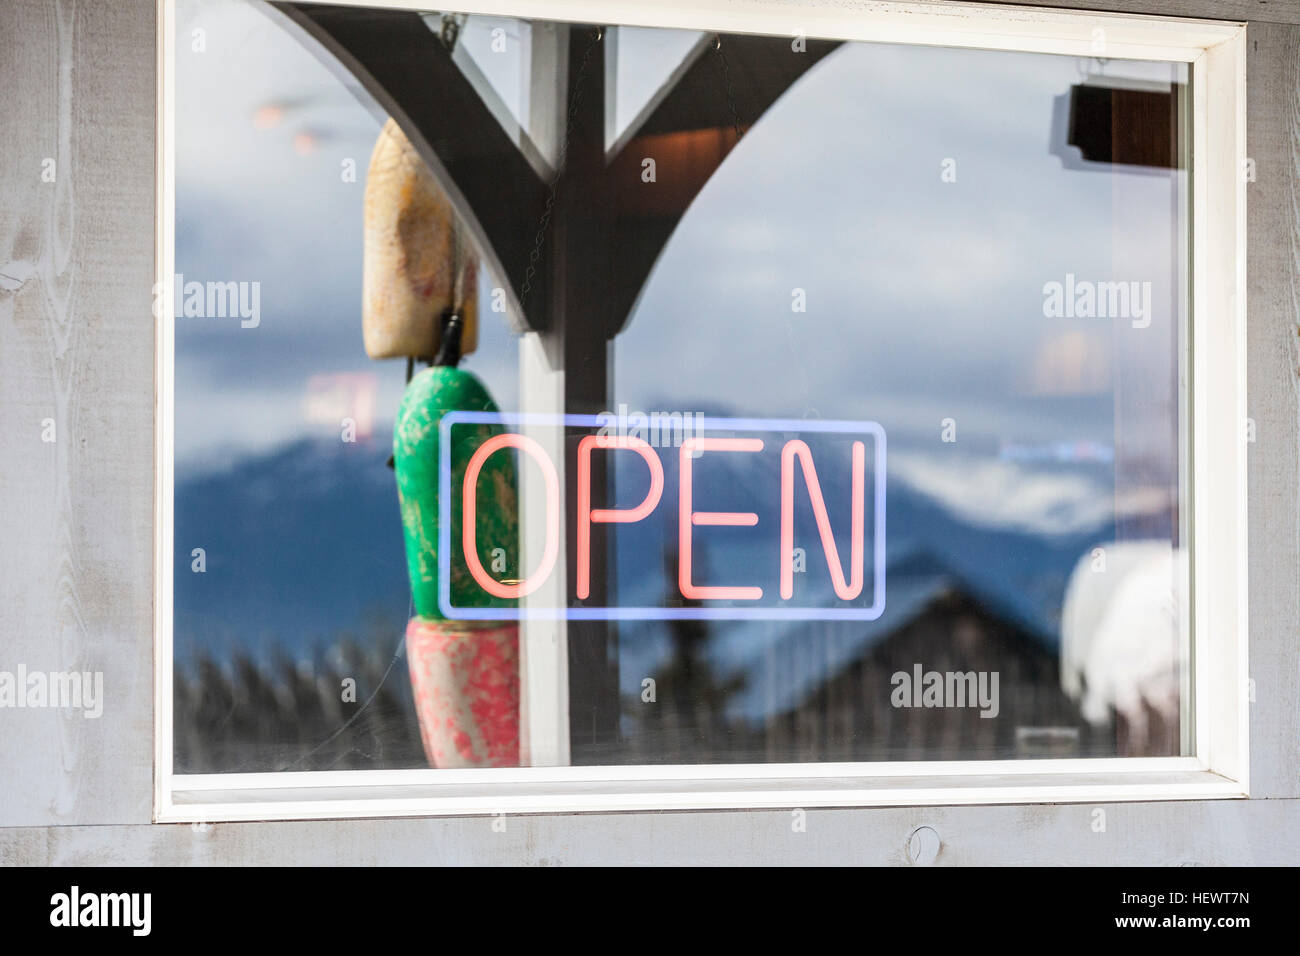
<point>924,297</point>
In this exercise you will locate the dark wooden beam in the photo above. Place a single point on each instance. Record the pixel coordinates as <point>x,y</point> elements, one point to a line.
<point>408,70</point>
<point>1128,127</point>
<point>578,260</point>
<point>689,134</point>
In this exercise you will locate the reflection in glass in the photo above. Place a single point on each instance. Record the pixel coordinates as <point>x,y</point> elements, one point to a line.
<point>983,252</point>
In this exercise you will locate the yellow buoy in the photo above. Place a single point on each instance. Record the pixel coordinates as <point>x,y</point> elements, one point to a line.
<point>419,260</point>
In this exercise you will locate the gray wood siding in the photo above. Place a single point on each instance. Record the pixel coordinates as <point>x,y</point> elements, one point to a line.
<point>1273,290</point>
<point>76,346</point>
<point>1153,834</point>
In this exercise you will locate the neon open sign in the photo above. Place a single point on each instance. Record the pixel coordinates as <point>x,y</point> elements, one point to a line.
<point>795,476</point>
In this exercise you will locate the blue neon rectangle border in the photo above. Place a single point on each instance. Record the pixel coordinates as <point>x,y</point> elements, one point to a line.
<point>657,613</point>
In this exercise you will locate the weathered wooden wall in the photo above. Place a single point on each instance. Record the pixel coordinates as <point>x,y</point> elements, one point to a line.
<point>76,340</point>
<point>1274,11</point>
<point>1273,255</point>
<point>76,347</point>
<point>1137,834</point>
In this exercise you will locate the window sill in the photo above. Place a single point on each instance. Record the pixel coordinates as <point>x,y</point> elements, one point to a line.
<point>405,793</point>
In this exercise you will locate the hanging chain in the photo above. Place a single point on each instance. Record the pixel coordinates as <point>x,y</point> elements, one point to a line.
<point>1083,66</point>
<point>452,24</point>
<point>575,98</point>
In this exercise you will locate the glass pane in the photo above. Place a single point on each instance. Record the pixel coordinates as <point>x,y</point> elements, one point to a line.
<point>830,405</point>
<point>888,245</point>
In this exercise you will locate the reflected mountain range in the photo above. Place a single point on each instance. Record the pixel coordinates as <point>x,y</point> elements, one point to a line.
<point>304,543</point>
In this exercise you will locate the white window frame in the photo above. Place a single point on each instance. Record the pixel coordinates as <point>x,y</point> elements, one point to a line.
<point>1219,766</point>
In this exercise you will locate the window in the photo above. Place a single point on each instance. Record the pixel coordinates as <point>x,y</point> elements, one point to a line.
<point>680,410</point>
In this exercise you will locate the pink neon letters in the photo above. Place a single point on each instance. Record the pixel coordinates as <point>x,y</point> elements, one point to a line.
<point>688,519</point>
<point>586,514</point>
<point>469,531</point>
<point>796,449</point>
